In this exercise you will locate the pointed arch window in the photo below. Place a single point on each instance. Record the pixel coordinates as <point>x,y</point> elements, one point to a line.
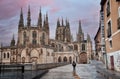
<point>34,34</point>
<point>8,55</point>
<point>75,47</point>
<point>4,55</point>
<point>24,38</point>
<point>83,47</point>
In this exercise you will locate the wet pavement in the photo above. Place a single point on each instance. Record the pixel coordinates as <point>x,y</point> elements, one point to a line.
<point>88,71</point>
<point>83,71</point>
<point>63,72</point>
<point>94,70</point>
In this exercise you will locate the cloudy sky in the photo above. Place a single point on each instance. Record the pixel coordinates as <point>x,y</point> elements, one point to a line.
<point>85,10</point>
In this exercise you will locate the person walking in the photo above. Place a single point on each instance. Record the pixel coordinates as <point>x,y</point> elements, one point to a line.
<point>74,65</point>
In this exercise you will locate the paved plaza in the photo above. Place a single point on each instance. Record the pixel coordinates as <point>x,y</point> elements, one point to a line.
<point>63,72</point>
<point>84,71</point>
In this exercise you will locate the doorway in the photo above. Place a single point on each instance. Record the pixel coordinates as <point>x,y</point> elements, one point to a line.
<point>112,62</point>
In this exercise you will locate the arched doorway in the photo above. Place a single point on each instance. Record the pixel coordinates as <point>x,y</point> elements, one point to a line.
<point>34,56</point>
<point>70,59</point>
<point>83,58</point>
<point>65,59</point>
<point>59,59</point>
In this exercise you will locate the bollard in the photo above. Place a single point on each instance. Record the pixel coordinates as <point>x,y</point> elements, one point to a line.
<point>22,69</point>
<point>22,72</point>
<point>0,70</point>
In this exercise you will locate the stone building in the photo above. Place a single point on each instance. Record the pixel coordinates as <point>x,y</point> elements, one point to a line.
<point>35,46</point>
<point>111,13</point>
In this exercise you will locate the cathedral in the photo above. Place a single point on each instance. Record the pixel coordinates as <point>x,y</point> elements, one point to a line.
<point>34,45</point>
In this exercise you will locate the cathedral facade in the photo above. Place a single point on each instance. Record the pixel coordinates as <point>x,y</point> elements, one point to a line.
<point>35,46</point>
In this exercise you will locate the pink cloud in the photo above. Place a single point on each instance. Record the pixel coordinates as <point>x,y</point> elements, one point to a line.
<point>54,9</point>
<point>41,2</point>
<point>9,8</point>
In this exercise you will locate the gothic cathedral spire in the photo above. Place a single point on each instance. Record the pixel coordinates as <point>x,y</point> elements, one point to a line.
<point>21,21</point>
<point>40,19</point>
<point>58,23</point>
<point>47,24</point>
<point>29,17</point>
<point>88,38</point>
<point>80,29</point>
<point>13,41</point>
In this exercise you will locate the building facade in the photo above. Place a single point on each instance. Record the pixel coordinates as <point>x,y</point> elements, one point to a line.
<point>111,11</point>
<point>35,46</point>
<point>97,39</point>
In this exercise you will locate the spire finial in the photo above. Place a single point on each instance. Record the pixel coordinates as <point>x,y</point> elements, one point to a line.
<point>46,17</point>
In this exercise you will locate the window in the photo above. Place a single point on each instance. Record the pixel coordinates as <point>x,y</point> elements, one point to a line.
<point>108,8</point>
<point>110,43</point>
<point>34,34</point>
<point>65,59</point>
<point>109,31</point>
<point>119,11</point>
<point>24,38</point>
<point>59,59</point>
<point>75,47</point>
<point>118,20</point>
<point>4,55</point>
<point>83,47</point>
<point>8,55</point>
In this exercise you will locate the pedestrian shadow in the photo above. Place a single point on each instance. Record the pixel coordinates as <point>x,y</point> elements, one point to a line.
<point>75,75</point>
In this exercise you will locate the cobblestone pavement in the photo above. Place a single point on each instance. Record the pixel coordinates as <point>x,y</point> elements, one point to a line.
<point>87,71</point>
<point>63,72</point>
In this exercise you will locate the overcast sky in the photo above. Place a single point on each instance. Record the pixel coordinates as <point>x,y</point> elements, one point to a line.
<point>85,10</point>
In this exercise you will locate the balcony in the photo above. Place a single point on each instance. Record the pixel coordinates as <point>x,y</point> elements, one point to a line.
<point>118,23</point>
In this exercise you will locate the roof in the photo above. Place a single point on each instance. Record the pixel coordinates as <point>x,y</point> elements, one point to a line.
<point>102,2</point>
<point>97,33</point>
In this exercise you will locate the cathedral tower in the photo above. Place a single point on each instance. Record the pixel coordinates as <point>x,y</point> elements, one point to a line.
<point>63,32</point>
